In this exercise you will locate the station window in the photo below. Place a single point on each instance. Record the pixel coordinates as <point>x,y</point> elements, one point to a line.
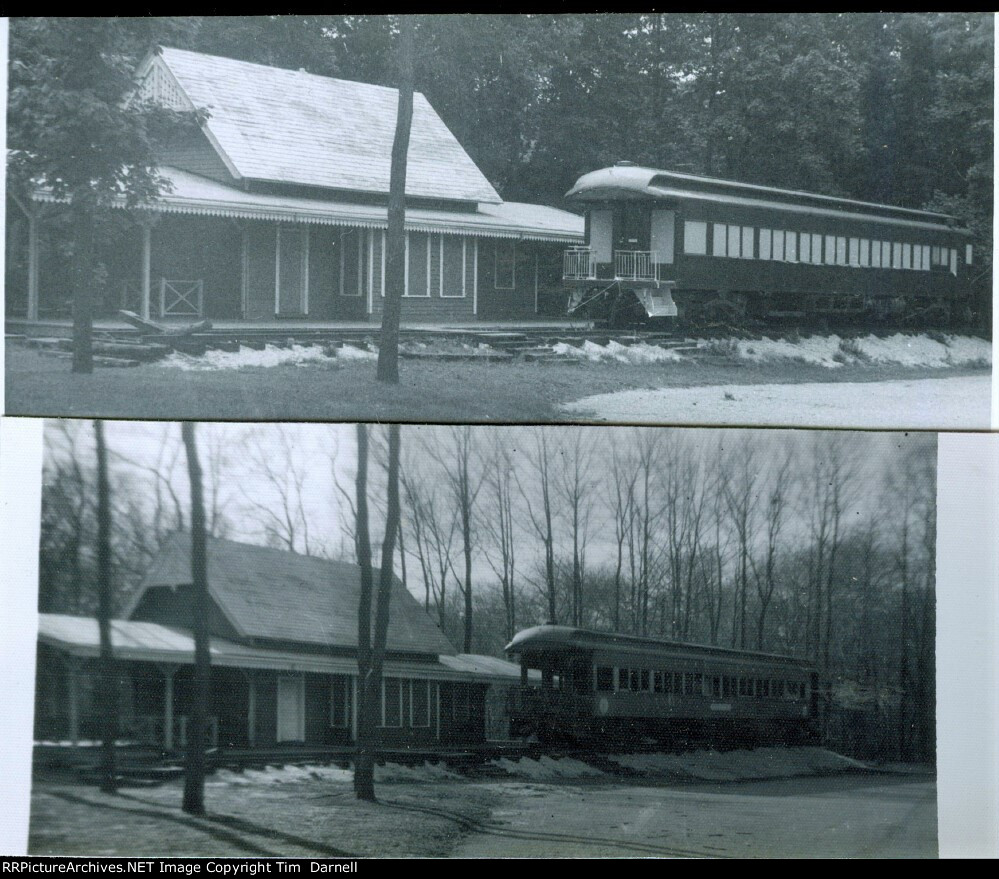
<point>506,265</point>
<point>865,252</point>
<point>420,704</point>
<point>805,249</point>
<point>695,237</point>
<point>340,702</point>
<point>605,679</point>
<point>391,702</point>
<point>765,245</point>
<point>854,252</point>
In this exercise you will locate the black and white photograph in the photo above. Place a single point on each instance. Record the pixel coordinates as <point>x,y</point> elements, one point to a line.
<point>728,218</point>
<point>484,641</point>
<point>534,435</point>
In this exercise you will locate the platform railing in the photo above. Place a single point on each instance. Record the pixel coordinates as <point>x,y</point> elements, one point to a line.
<point>578,264</point>
<point>636,265</point>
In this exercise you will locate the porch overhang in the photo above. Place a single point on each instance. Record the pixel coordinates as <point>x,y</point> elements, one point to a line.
<point>190,194</point>
<point>137,641</point>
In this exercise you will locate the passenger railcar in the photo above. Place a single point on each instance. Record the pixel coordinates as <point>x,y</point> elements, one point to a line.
<point>665,244</point>
<point>603,687</point>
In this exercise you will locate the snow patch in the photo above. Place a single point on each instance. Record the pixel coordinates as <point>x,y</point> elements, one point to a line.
<point>271,355</point>
<point>428,772</point>
<point>615,351</point>
<point>546,768</point>
<point>742,765</point>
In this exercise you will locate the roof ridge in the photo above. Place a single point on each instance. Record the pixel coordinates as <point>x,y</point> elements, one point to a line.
<point>291,70</point>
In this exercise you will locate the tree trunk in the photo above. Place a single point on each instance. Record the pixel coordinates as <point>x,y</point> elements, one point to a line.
<point>388,352</point>
<point>364,766</point>
<point>83,288</point>
<point>108,698</point>
<point>194,780</point>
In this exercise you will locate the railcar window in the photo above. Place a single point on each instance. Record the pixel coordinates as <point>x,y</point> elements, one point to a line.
<point>841,250</point>
<point>633,679</point>
<point>896,254</point>
<point>726,687</point>
<point>816,249</point>
<point>876,254</point>
<point>759,688</point>
<point>805,249</point>
<point>747,242</point>
<point>953,262</point>
<point>779,691</point>
<point>734,241</point>
<point>605,678</point>
<point>645,680</point>
<point>854,252</point>
<point>906,256</point>
<point>742,686</point>
<point>695,237</point>
<point>778,244</point>
<point>917,258</point>
<point>766,688</point>
<point>791,246</point>
<point>657,681</point>
<point>886,254</point>
<point>667,681</point>
<point>865,252</point>
<point>967,254</point>
<point>716,687</point>
<point>719,239</point>
<point>830,250</point>
<point>765,245</point>
<point>697,685</point>
<point>926,257</point>
<point>622,679</point>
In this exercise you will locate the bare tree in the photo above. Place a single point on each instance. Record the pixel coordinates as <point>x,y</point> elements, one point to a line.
<point>623,477</point>
<point>765,580</point>
<point>539,511</point>
<point>388,351</point>
<point>574,487</point>
<point>498,524</point>
<point>739,488</point>
<point>371,651</point>
<point>108,672</point>
<point>276,458</point>
<point>194,779</point>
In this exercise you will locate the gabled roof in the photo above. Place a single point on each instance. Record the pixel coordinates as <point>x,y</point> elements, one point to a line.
<point>275,595</point>
<point>293,127</point>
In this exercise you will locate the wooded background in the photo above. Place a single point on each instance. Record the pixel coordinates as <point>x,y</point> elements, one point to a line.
<point>885,107</point>
<point>813,543</point>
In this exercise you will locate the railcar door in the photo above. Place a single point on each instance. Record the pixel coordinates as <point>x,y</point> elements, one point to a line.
<point>631,228</point>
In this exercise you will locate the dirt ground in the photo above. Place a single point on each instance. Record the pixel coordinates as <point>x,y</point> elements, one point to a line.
<point>759,805</point>
<point>511,392</point>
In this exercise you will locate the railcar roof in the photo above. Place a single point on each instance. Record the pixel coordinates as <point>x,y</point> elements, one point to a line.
<point>635,181</point>
<point>540,637</point>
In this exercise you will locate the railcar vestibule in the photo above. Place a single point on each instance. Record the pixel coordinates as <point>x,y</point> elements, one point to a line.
<point>670,244</point>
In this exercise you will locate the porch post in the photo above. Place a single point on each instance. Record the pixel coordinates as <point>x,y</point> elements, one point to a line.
<point>147,250</point>
<point>74,701</point>
<point>475,277</point>
<point>354,681</point>
<point>32,266</point>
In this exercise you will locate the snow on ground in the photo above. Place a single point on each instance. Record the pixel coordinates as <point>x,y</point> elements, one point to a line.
<point>833,351</point>
<point>740,765</point>
<point>616,352</point>
<point>271,355</point>
<point>932,404</point>
<point>293,774</point>
<point>546,768</point>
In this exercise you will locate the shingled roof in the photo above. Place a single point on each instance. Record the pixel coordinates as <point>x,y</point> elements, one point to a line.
<point>293,127</point>
<point>275,595</point>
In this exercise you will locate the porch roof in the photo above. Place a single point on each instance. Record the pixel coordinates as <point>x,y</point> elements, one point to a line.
<point>137,641</point>
<point>191,194</point>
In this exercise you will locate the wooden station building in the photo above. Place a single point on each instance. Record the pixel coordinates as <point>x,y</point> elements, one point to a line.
<point>283,661</point>
<point>276,207</point>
